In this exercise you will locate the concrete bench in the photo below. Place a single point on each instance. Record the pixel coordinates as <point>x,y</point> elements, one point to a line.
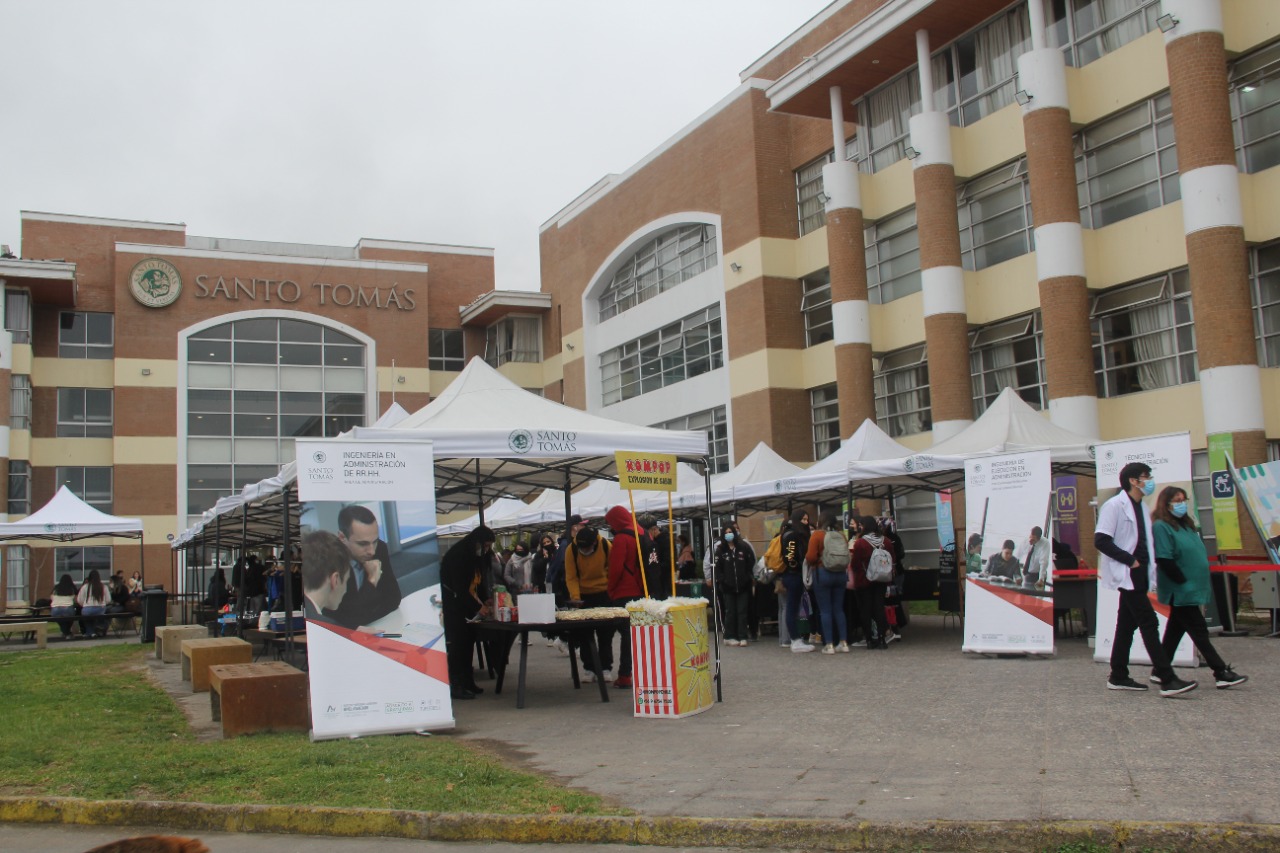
<point>169,640</point>
<point>199,655</point>
<point>258,697</point>
<point>40,629</point>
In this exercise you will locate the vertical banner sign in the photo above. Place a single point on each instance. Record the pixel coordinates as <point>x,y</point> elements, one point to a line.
<point>1009,603</point>
<point>375,638</point>
<point>946,525</point>
<point>1170,459</point>
<point>1226,521</point>
<point>1066,509</point>
<point>1260,491</point>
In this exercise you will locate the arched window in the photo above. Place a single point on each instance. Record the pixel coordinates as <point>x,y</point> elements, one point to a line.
<point>256,384</point>
<point>662,262</point>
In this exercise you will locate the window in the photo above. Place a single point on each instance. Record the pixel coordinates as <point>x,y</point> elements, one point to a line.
<point>815,304</point>
<point>809,187</point>
<point>676,352</point>
<point>716,425</point>
<point>1143,335</point>
<point>444,349</point>
<point>986,64</point>
<point>17,315</point>
<point>1128,164</point>
<point>19,401</point>
<point>885,113</point>
<point>1008,354</point>
<point>17,560</point>
<point>673,257</point>
<point>78,562</point>
<point>893,257</point>
<point>84,412</point>
<point>1264,281</point>
<point>84,334</point>
<point>513,339</point>
<point>995,217</point>
<point>1255,109</point>
<point>902,392</point>
<point>91,485</point>
<point>825,409</point>
<point>19,487</point>
<point>253,387</point>
<point>1094,28</point>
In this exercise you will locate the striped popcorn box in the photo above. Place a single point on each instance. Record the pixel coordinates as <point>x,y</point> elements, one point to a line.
<point>671,664</point>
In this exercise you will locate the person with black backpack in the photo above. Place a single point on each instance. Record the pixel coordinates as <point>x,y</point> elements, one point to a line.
<point>829,553</point>
<point>586,574</point>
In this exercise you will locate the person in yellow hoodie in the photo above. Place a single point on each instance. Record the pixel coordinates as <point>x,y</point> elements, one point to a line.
<point>586,573</point>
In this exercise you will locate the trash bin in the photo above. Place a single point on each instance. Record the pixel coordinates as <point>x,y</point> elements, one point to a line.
<point>153,612</point>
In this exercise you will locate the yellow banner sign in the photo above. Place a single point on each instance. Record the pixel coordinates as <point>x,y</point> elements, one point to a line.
<point>647,472</point>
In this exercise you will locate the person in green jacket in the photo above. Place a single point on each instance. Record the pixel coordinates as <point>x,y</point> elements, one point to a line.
<point>1182,566</point>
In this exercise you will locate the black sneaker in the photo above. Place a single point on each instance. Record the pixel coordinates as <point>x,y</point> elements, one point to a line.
<point>1229,678</point>
<point>1126,684</point>
<point>1177,687</point>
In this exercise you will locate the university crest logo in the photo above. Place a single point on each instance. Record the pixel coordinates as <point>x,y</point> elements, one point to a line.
<point>520,441</point>
<point>155,283</point>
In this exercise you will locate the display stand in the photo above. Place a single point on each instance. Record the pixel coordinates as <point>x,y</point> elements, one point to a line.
<point>671,663</point>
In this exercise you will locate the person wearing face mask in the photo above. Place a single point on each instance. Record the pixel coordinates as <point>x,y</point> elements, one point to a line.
<point>586,573</point>
<point>1182,565</point>
<point>463,597</point>
<point>517,574</point>
<point>1127,564</point>
<point>733,561</point>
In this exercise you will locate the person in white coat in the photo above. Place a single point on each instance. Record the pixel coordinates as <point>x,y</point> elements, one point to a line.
<point>1127,564</point>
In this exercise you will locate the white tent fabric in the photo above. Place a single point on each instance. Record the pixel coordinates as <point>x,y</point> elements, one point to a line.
<point>65,517</point>
<point>1009,425</point>
<point>498,511</point>
<point>831,473</point>
<point>691,491</point>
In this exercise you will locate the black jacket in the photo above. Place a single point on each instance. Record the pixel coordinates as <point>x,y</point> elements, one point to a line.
<point>371,602</point>
<point>459,569</point>
<point>733,566</point>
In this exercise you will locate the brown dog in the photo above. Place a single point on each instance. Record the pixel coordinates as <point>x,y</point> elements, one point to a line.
<point>153,844</point>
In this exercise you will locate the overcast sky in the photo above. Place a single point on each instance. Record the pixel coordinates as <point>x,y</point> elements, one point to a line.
<point>462,122</point>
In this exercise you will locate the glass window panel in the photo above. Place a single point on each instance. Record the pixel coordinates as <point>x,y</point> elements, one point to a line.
<point>341,379</point>
<point>258,377</point>
<point>261,329</point>
<point>254,353</point>
<point>302,426</point>
<point>255,425</point>
<point>301,378</point>
<point>208,376</point>
<point>299,331</point>
<point>300,354</point>
<point>200,350</point>
<point>255,451</point>
<point>343,356</point>
<point>210,450</point>
<point>199,423</point>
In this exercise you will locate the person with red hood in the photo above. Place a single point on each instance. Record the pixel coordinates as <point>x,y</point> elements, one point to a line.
<point>627,559</point>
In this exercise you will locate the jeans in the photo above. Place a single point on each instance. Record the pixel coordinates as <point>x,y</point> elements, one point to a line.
<point>793,583</point>
<point>91,623</point>
<point>1189,619</point>
<point>735,614</point>
<point>65,613</point>
<point>784,636</point>
<point>829,587</point>
<point>1136,614</point>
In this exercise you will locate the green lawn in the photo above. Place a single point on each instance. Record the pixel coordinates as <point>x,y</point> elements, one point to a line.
<point>88,723</point>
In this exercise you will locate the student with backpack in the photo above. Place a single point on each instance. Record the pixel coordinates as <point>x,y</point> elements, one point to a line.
<point>586,575</point>
<point>870,569</point>
<point>829,554</point>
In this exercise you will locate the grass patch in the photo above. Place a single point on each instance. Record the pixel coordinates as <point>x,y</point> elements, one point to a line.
<point>88,723</point>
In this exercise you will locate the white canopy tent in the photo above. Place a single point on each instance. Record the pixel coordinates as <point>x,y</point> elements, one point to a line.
<point>498,511</point>
<point>66,518</point>
<point>1008,425</point>
<point>762,464</point>
<point>829,474</point>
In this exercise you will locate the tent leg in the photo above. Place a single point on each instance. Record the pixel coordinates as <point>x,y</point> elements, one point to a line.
<point>715,599</point>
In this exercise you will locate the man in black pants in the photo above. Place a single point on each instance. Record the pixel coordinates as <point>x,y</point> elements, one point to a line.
<point>1126,564</point>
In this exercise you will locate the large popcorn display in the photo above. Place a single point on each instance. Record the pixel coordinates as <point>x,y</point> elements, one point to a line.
<point>671,672</point>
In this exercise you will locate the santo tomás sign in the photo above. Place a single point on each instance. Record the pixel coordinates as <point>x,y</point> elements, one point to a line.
<point>651,472</point>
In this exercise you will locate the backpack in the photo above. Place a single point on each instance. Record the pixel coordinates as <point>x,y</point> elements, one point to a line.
<point>880,566</point>
<point>762,573</point>
<point>773,556</point>
<point>835,551</point>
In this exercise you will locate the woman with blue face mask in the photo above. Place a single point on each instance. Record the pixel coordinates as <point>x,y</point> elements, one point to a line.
<point>734,559</point>
<point>1183,568</point>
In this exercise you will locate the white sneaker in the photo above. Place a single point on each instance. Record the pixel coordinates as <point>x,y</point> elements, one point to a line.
<point>562,647</point>
<point>798,646</point>
<point>590,677</point>
<point>861,644</point>
<point>843,647</point>
<point>828,649</point>
<point>892,637</point>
